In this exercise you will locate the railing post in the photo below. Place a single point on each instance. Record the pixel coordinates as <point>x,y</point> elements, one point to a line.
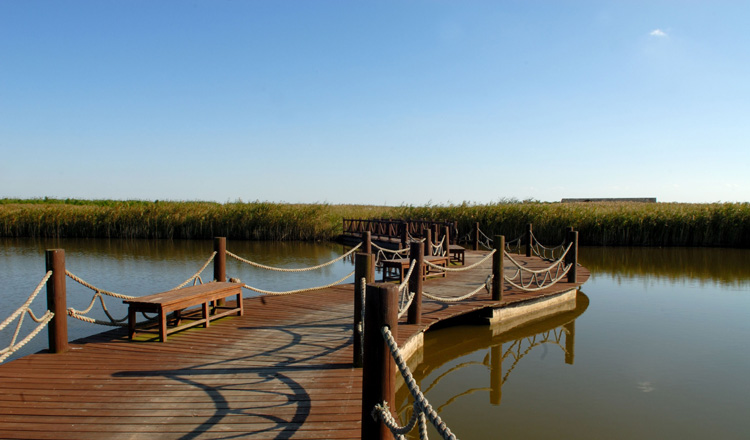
<point>447,242</point>
<point>455,232</point>
<point>220,264</point>
<point>56,301</point>
<point>497,268</point>
<point>364,267</point>
<point>428,242</point>
<point>416,252</point>
<point>527,239</point>
<point>220,260</point>
<point>367,238</point>
<point>476,236</point>
<point>379,369</point>
<point>404,235</point>
<point>572,256</point>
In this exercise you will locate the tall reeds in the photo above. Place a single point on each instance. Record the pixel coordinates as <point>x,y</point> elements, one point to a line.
<point>626,224</point>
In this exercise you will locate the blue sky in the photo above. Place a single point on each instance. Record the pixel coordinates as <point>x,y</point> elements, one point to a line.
<point>375,102</point>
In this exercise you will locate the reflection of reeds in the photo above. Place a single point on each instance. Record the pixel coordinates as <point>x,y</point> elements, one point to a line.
<point>722,266</point>
<point>628,224</point>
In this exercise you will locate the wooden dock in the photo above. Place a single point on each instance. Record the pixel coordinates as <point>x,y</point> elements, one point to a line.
<point>282,370</point>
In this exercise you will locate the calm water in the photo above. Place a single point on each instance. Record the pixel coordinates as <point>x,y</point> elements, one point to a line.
<point>659,346</point>
<point>660,350</point>
<point>141,267</point>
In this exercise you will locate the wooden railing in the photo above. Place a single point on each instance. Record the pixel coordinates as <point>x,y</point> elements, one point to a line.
<point>390,228</point>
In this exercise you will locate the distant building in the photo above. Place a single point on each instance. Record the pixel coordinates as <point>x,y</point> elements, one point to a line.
<point>623,199</point>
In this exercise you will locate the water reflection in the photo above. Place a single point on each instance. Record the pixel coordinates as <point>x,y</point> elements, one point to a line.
<point>717,265</point>
<point>488,355</point>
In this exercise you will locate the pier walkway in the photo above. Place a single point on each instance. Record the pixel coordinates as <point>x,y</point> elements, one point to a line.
<point>282,370</point>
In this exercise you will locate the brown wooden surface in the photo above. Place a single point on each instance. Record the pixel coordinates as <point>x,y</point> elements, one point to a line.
<point>283,370</point>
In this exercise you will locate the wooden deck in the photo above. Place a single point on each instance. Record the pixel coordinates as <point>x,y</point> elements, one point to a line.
<point>283,370</point>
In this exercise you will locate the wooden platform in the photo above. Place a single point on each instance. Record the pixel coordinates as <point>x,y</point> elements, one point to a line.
<point>283,370</point>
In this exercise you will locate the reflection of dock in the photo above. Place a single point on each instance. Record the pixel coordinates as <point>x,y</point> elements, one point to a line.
<point>503,344</point>
<point>282,370</point>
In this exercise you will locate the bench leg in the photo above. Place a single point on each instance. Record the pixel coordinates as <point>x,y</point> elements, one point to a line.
<point>206,316</point>
<point>240,305</point>
<point>162,325</point>
<point>131,322</point>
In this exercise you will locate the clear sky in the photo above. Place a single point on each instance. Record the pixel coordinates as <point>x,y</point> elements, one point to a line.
<point>375,102</point>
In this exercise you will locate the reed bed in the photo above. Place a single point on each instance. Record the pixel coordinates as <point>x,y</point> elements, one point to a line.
<point>609,224</point>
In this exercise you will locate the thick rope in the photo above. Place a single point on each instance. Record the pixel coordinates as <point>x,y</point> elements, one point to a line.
<point>20,313</point>
<point>25,306</point>
<point>13,347</point>
<point>291,292</point>
<point>384,412</point>
<point>96,289</point>
<point>451,299</point>
<point>114,322</point>
<point>420,401</point>
<point>196,276</point>
<point>302,269</point>
<point>403,285</point>
<point>461,269</point>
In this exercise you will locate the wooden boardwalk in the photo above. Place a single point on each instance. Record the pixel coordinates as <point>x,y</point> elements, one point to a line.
<point>283,370</point>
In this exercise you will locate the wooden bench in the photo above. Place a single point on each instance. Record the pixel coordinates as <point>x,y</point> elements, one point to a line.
<point>397,269</point>
<point>180,299</point>
<point>457,254</point>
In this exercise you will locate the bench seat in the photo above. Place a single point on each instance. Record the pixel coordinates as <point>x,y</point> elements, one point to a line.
<point>180,299</point>
<point>457,254</point>
<point>397,269</point>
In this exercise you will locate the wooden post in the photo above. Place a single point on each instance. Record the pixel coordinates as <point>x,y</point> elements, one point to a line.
<point>528,239</point>
<point>404,234</point>
<point>496,374</point>
<point>497,268</point>
<point>476,236</point>
<point>56,301</point>
<point>428,242</point>
<point>379,369</point>
<point>367,238</point>
<point>572,256</point>
<point>455,229</point>
<point>220,264</point>
<point>447,234</point>
<point>364,267</point>
<point>416,252</point>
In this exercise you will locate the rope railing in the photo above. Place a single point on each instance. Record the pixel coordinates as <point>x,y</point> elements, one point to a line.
<point>301,269</point>
<point>21,313</point>
<point>100,293</point>
<point>405,296</point>
<point>450,299</point>
<point>543,252</point>
<point>421,409</point>
<point>382,254</point>
<point>439,249</point>
<point>539,279</point>
<point>292,292</point>
<point>461,269</point>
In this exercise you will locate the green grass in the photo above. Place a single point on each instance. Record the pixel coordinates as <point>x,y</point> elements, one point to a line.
<point>628,224</point>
